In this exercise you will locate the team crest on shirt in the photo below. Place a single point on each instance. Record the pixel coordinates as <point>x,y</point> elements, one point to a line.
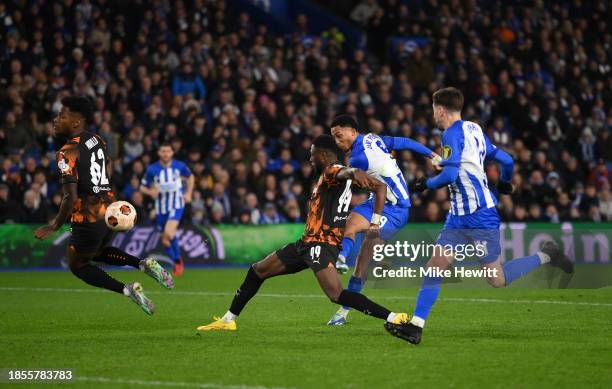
<point>447,152</point>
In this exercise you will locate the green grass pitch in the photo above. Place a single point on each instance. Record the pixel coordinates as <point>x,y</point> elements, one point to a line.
<point>484,337</point>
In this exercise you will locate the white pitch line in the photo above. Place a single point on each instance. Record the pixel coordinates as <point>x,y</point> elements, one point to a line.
<point>120,381</point>
<point>316,296</point>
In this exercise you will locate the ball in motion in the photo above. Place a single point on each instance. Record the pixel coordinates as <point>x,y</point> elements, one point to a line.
<point>120,216</point>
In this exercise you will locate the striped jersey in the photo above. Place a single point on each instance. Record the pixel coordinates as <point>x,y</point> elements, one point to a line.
<point>465,146</point>
<point>169,185</point>
<point>370,153</point>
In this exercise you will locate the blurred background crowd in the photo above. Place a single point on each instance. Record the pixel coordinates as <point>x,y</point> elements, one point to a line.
<point>241,104</point>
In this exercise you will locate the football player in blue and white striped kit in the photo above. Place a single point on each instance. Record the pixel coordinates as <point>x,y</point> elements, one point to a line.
<point>371,153</point>
<point>473,218</point>
<point>163,181</point>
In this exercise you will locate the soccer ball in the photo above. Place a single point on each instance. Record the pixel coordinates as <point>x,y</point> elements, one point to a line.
<point>120,216</point>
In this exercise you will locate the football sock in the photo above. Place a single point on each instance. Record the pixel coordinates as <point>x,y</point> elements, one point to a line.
<point>117,257</point>
<point>170,251</point>
<point>363,304</point>
<point>425,299</point>
<point>174,243</point>
<point>229,317</point>
<point>544,258</point>
<point>97,277</point>
<point>247,290</point>
<point>347,246</point>
<point>519,267</point>
<point>355,284</point>
<point>391,316</point>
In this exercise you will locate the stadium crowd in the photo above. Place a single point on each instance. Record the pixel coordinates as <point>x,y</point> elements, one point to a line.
<point>241,105</point>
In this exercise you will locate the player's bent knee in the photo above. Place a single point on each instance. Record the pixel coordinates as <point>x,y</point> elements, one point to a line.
<point>75,263</point>
<point>496,282</point>
<point>165,238</point>
<point>257,268</point>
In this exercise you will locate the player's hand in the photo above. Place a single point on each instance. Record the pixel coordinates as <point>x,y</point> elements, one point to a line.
<point>361,178</point>
<point>419,185</point>
<point>45,231</point>
<point>187,198</point>
<point>436,160</point>
<point>373,232</point>
<point>505,188</point>
<point>153,192</point>
<point>341,266</point>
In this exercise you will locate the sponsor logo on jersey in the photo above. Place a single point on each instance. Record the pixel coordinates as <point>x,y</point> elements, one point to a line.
<point>98,189</point>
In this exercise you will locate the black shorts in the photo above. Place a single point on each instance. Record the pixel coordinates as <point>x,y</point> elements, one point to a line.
<point>89,238</point>
<point>300,255</point>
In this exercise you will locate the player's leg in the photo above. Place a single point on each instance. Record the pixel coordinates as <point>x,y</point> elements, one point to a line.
<point>170,242</point>
<point>117,257</point>
<point>393,219</point>
<point>426,298</point>
<point>442,258</point>
<point>362,250</point>
<point>355,224</point>
<point>330,283</point>
<point>82,268</point>
<point>269,267</point>
<point>503,275</point>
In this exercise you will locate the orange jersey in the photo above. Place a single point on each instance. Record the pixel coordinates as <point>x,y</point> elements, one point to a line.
<point>328,208</point>
<point>84,160</point>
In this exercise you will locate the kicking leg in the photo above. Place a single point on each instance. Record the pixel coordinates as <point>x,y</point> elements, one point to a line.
<point>330,283</point>
<point>82,268</point>
<point>117,257</point>
<point>269,267</point>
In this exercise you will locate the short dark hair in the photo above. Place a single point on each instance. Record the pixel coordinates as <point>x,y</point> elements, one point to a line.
<point>326,142</point>
<point>165,144</point>
<point>81,105</point>
<point>345,121</point>
<point>449,98</point>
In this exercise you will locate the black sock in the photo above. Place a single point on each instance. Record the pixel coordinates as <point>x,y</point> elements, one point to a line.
<point>247,290</point>
<point>97,277</point>
<point>117,257</point>
<point>362,303</point>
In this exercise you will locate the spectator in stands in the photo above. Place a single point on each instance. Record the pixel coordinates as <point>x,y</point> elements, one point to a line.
<point>246,103</point>
<point>270,215</point>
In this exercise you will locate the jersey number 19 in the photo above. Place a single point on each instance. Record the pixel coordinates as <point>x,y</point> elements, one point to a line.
<point>345,198</point>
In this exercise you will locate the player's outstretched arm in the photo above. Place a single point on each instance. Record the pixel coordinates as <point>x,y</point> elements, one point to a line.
<point>65,209</point>
<point>365,181</point>
<point>189,190</point>
<point>506,162</point>
<point>399,143</point>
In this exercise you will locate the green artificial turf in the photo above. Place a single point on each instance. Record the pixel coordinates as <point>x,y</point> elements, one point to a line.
<point>475,337</point>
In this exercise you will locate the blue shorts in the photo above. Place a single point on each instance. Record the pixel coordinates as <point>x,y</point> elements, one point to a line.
<point>478,229</point>
<point>161,219</point>
<point>393,217</point>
